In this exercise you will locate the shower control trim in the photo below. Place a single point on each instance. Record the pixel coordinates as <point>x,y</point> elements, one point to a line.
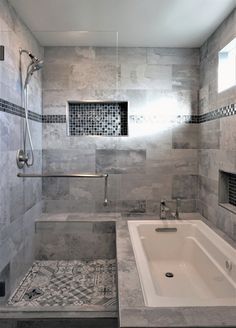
<point>21,158</point>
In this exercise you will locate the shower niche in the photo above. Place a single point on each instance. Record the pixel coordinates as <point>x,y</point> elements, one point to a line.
<point>227,190</point>
<point>97,118</point>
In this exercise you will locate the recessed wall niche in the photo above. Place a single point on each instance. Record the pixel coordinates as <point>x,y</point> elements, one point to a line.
<point>227,190</point>
<point>97,118</point>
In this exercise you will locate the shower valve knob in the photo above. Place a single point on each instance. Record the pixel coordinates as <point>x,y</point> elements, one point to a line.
<point>21,158</point>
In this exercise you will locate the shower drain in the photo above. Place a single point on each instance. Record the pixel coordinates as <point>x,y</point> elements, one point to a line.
<point>32,294</point>
<point>169,275</point>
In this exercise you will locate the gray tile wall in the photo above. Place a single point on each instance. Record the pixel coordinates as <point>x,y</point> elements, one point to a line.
<point>159,157</point>
<point>216,138</point>
<point>20,200</point>
<point>70,241</point>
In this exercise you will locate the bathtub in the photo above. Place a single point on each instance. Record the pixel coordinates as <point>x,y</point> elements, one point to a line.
<point>183,263</point>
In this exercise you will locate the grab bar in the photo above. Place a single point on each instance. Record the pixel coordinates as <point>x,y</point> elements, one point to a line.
<point>60,175</point>
<point>69,175</point>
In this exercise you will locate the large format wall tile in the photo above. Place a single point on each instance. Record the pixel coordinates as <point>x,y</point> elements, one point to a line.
<point>120,161</point>
<point>185,136</point>
<point>217,137</point>
<point>68,161</point>
<point>185,186</point>
<point>209,135</point>
<point>20,199</point>
<point>159,84</point>
<point>75,240</point>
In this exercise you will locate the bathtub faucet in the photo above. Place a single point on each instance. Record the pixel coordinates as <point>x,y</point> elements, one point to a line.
<point>177,209</point>
<point>165,212</point>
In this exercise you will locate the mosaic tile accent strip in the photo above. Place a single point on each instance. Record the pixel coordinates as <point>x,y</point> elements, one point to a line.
<point>53,118</point>
<point>99,124</point>
<point>218,113</point>
<point>191,119</point>
<point>63,283</point>
<point>98,119</point>
<point>8,107</point>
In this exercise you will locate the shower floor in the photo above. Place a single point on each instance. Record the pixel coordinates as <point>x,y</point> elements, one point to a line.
<point>63,283</point>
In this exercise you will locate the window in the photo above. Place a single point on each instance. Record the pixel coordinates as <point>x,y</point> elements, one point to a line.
<point>227,66</point>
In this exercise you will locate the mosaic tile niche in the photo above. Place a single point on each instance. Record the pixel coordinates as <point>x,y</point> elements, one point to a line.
<point>97,118</point>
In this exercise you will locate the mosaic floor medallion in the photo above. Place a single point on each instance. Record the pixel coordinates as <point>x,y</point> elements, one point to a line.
<point>63,283</point>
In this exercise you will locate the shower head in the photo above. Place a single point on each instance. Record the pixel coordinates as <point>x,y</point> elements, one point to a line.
<point>32,57</point>
<point>34,65</point>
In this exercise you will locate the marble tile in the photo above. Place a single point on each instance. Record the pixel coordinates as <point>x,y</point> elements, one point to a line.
<point>209,135</point>
<point>19,198</point>
<point>184,161</point>
<point>120,161</point>
<point>185,77</point>
<point>55,188</point>
<point>216,138</point>
<point>69,161</point>
<point>172,56</point>
<point>185,136</point>
<point>228,133</point>
<point>70,205</point>
<point>208,191</point>
<point>127,206</point>
<point>74,240</point>
<point>144,79</point>
<point>185,186</point>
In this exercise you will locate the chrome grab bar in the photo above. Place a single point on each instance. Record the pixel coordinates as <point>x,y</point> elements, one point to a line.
<point>69,175</point>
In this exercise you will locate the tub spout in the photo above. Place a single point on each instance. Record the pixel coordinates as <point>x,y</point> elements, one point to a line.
<point>164,210</point>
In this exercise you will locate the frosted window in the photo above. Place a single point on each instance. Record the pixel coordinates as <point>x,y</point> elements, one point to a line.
<point>227,66</point>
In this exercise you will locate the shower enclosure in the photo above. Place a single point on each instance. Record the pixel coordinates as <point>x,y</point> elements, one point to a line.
<point>59,247</point>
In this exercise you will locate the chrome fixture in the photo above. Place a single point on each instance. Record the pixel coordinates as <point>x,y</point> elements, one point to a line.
<point>22,156</point>
<point>177,208</point>
<point>165,212</point>
<point>69,175</point>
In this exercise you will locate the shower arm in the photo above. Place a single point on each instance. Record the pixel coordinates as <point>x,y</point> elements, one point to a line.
<point>69,175</point>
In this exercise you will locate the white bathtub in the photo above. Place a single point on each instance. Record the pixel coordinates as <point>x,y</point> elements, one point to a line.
<point>194,254</point>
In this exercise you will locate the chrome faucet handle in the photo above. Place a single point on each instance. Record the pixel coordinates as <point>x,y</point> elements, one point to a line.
<point>177,209</point>
<point>163,210</point>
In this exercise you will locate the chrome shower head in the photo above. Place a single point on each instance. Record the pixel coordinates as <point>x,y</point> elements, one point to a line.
<point>32,67</point>
<point>32,57</point>
<point>35,65</point>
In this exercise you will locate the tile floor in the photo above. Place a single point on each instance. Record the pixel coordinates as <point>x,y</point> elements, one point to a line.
<point>63,283</point>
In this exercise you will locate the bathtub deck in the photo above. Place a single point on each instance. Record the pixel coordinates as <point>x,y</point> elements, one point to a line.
<point>62,283</point>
